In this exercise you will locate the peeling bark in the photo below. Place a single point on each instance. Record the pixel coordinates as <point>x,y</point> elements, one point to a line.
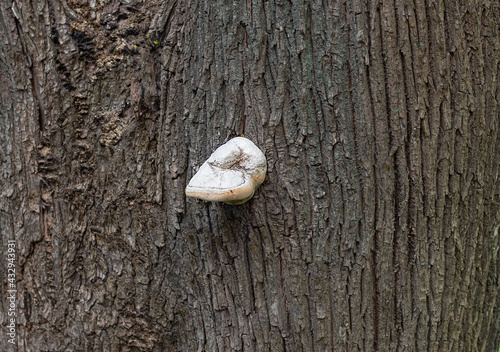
<point>376,228</point>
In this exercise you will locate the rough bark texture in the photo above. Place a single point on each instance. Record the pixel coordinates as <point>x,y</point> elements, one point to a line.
<point>375,230</point>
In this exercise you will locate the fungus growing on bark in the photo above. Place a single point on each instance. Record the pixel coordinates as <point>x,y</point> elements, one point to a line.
<point>231,174</point>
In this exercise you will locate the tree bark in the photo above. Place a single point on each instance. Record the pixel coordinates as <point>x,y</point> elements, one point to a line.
<point>376,228</point>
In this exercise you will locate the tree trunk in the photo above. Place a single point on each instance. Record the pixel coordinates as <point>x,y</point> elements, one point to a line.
<point>376,228</point>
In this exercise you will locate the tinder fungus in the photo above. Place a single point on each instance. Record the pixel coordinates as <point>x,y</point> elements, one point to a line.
<point>231,174</point>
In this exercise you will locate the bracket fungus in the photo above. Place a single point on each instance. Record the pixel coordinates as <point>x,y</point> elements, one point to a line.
<point>231,174</point>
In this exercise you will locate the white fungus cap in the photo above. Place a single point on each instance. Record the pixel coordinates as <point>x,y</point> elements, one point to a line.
<point>231,174</point>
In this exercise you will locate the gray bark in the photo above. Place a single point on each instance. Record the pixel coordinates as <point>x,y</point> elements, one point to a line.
<point>375,230</point>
